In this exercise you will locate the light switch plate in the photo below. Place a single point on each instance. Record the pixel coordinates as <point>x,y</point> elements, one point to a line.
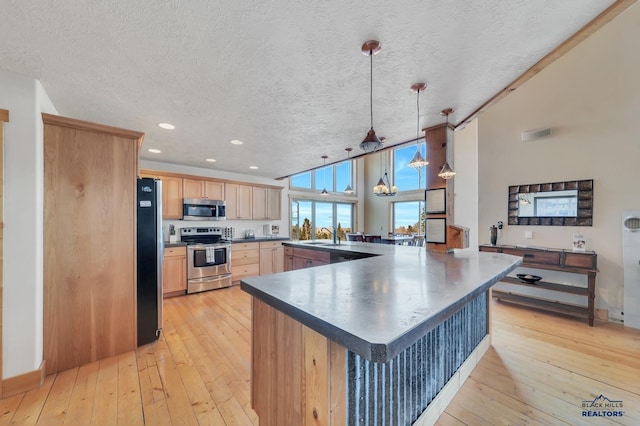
<point>528,235</point>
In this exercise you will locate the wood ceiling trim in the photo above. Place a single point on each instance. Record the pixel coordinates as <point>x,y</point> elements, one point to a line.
<point>598,22</point>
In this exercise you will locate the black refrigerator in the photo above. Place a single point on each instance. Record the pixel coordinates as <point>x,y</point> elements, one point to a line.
<point>150,255</point>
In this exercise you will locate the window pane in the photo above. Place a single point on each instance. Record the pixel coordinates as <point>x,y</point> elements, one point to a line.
<point>303,180</point>
<point>406,217</point>
<point>324,178</point>
<point>324,220</point>
<point>305,220</point>
<point>343,176</point>
<point>344,219</point>
<point>404,177</point>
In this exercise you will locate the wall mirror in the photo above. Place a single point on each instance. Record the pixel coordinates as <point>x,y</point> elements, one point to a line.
<point>567,203</point>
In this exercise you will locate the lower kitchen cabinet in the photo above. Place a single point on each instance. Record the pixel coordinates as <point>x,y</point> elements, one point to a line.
<point>245,260</point>
<point>308,258</point>
<point>288,259</point>
<point>174,271</point>
<point>271,257</point>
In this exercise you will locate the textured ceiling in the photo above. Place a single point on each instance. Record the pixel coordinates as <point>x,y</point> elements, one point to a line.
<point>286,77</point>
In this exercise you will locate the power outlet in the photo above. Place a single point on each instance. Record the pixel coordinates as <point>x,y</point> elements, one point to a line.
<point>528,235</point>
<point>616,315</point>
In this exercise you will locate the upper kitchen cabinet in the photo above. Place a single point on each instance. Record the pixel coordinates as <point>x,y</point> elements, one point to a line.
<point>89,273</point>
<point>201,188</point>
<point>239,201</point>
<point>171,197</point>
<point>266,203</point>
<point>171,193</point>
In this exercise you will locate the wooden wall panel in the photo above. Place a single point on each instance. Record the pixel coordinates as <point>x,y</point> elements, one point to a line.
<point>89,243</point>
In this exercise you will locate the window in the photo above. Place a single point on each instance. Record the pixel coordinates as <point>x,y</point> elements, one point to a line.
<point>334,178</point>
<point>302,180</point>
<point>408,217</point>
<point>316,220</point>
<point>404,177</point>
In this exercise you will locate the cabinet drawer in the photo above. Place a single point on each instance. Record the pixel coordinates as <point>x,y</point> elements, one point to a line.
<point>270,244</point>
<point>490,249</point>
<point>244,246</point>
<point>245,257</point>
<point>533,256</point>
<point>580,260</point>
<point>175,251</point>
<point>288,251</point>
<point>244,271</point>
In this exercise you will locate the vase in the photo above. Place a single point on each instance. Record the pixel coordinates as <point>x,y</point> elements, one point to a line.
<point>493,235</point>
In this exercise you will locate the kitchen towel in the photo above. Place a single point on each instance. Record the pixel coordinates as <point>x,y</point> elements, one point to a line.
<point>211,254</point>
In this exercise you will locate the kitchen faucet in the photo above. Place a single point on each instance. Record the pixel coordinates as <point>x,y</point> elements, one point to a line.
<point>334,235</point>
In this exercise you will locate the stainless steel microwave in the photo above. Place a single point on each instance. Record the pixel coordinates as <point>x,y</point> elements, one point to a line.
<point>203,209</point>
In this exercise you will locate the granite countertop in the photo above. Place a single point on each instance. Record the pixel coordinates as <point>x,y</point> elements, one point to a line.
<point>378,306</point>
<point>176,244</point>
<point>258,239</point>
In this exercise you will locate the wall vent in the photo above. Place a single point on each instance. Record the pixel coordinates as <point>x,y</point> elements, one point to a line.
<point>530,135</point>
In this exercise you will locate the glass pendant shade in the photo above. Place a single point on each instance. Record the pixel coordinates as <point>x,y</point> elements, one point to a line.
<point>348,190</point>
<point>446,172</point>
<point>371,142</point>
<point>418,160</point>
<point>324,192</point>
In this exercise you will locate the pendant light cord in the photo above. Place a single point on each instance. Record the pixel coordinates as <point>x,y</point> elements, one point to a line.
<point>418,118</point>
<point>371,86</point>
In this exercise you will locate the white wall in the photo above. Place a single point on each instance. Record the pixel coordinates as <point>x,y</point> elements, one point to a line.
<point>591,99</point>
<point>465,199</point>
<point>240,225</point>
<point>23,223</point>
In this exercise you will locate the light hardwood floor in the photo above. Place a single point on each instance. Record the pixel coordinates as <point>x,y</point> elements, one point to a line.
<point>539,370</point>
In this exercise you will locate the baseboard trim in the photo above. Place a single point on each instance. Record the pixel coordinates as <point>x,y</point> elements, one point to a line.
<point>24,382</point>
<point>602,314</point>
<point>433,411</point>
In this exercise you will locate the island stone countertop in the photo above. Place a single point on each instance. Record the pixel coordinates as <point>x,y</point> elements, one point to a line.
<point>378,306</point>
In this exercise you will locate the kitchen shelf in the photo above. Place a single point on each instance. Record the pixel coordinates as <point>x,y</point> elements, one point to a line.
<point>542,258</point>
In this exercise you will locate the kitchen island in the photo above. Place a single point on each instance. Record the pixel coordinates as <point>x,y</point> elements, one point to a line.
<point>369,341</point>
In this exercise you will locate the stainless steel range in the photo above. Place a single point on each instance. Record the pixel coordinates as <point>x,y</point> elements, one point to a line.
<point>208,259</point>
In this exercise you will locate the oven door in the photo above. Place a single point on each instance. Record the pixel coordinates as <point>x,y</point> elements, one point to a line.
<point>207,260</point>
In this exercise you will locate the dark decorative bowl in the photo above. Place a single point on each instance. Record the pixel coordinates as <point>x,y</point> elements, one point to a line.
<point>528,278</point>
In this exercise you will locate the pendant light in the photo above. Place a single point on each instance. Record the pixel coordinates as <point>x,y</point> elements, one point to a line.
<point>418,160</point>
<point>446,172</point>
<point>348,190</point>
<point>371,142</point>
<point>384,187</point>
<point>324,192</point>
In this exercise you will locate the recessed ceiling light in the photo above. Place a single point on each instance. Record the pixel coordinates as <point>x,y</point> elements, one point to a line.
<point>167,126</point>
<point>253,167</point>
<point>236,142</point>
<point>211,160</point>
<point>155,151</point>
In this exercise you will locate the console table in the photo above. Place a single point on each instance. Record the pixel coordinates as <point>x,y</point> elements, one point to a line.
<point>553,260</point>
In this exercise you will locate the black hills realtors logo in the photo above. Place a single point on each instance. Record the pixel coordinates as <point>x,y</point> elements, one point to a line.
<point>601,406</point>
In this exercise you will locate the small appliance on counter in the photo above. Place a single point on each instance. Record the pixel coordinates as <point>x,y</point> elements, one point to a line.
<point>270,231</point>
<point>249,234</point>
<point>229,233</point>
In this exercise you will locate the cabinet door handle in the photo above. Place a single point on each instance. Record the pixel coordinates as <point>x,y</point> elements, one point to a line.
<point>528,255</point>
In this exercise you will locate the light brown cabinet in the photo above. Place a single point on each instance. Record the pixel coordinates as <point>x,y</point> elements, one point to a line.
<point>271,257</point>
<point>288,259</point>
<point>171,197</point>
<point>201,188</point>
<point>171,193</point>
<point>174,271</point>
<point>245,260</point>
<point>239,201</point>
<point>266,203</point>
<point>89,276</point>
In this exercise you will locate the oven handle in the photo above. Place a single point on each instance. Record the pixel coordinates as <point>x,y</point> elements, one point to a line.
<point>205,246</point>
